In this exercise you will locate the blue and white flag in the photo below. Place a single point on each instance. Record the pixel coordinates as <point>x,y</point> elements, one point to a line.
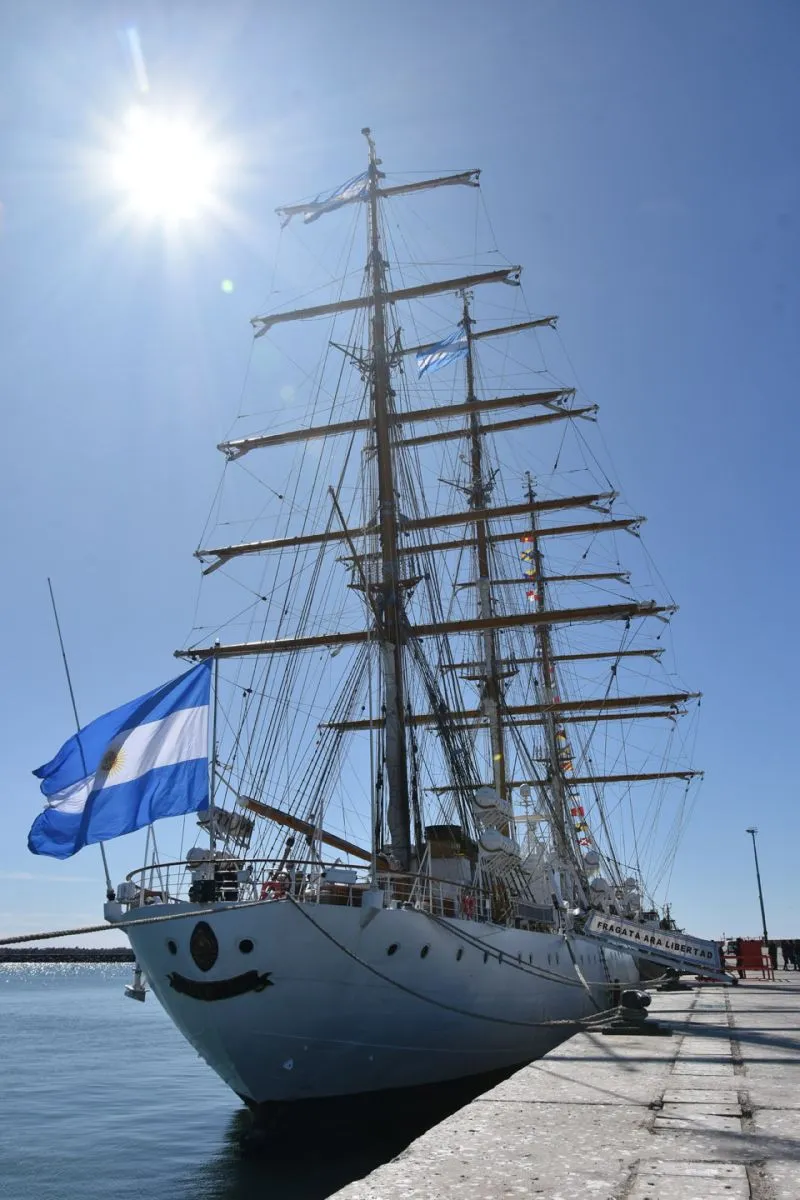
<point>346,193</point>
<point>137,764</point>
<point>447,351</point>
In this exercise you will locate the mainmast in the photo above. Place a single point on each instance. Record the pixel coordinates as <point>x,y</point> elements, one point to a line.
<point>391,618</point>
<point>479,495</point>
<point>547,694</point>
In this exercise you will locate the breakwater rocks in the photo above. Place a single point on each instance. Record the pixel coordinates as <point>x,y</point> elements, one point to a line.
<point>65,954</point>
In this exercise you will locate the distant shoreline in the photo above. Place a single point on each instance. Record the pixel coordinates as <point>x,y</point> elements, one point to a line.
<point>65,954</point>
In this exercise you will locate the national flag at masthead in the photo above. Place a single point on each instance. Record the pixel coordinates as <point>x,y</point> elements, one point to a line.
<point>441,354</point>
<point>346,193</point>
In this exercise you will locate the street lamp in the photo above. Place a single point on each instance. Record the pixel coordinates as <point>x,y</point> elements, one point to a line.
<point>753,832</point>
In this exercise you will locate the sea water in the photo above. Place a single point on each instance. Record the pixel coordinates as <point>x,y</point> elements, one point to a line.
<point>102,1099</point>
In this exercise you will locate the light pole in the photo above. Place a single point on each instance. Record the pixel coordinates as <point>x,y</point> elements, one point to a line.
<point>753,832</point>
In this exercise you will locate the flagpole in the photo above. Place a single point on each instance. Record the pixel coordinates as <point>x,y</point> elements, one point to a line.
<point>109,887</point>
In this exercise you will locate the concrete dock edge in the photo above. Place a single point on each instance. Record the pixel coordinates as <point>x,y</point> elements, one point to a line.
<point>712,1111</point>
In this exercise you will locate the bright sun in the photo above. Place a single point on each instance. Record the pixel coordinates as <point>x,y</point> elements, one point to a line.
<point>165,167</point>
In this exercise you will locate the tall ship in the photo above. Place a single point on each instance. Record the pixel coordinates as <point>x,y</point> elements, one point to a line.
<point>448,762</point>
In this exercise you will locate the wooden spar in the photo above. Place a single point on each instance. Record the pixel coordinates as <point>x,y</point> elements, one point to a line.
<point>619,576</point>
<point>468,178</point>
<point>484,333</point>
<point>600,612</point>
<point>554,708</point>
<point>449,435</point>
<point>649,652</point>
<point>669,714</point>
<point>629,523</point>
<point>656,652</point>
<point>305,827</point>
<point>544,783</point>
<point>468,407</point>
<point>516,328</point>
<point>238,447</point>
<point>225,553</point>
<point>641,777</point>
<point>264,323</point>
<point>408,526</point>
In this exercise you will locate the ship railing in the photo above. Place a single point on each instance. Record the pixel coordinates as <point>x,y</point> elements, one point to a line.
<point>231,879</point>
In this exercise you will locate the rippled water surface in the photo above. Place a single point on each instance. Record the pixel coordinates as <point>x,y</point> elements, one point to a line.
<point>102,1098</point>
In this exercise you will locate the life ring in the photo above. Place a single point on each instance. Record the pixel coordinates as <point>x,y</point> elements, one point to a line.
<point>273,889</point>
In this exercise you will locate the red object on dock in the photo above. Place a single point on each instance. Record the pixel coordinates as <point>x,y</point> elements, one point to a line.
<point>752,955</point>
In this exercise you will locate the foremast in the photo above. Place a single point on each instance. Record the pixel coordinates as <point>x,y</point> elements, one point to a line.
<point>390,617</point>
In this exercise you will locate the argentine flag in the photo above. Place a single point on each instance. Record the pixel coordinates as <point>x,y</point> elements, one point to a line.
<point>355,189</point>
<point>442,353</point>
<point>137,764</point>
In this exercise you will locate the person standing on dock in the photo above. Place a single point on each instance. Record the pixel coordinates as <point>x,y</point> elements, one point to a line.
<point>739,958</point>
<point>787,950</point>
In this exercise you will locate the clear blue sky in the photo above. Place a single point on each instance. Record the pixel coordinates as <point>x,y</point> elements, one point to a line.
<point>640,159</point>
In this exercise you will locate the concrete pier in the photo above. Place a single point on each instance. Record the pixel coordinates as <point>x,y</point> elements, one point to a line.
<point>713,1111</point>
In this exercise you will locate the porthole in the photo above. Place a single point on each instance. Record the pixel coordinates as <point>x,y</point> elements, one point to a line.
<point>172,947</point>
<point>246,946</point>
<point>459,953</point>
<point>393,948</point>
<point>424,952</point>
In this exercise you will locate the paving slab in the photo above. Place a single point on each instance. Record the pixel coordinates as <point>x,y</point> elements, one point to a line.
<point>691,1119</point>
<point>690,1189</point>
<point>690,1108</point>
<point>693,1067</point>
<point>721,1096</point>
<point>706,1113</point>
<point>781,1176</point>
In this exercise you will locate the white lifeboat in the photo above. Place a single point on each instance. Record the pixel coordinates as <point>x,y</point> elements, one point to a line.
<point>494,843</point>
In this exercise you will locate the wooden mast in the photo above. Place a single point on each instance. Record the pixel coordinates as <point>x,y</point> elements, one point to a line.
<point>547,693</point>
<point>391,627</point>
<point>492,691</point>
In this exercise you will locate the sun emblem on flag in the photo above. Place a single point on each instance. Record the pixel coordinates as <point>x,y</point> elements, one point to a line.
<point>112,761</point>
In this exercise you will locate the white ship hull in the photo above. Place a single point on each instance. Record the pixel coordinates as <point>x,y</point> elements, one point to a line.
<point>337,1015</point>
